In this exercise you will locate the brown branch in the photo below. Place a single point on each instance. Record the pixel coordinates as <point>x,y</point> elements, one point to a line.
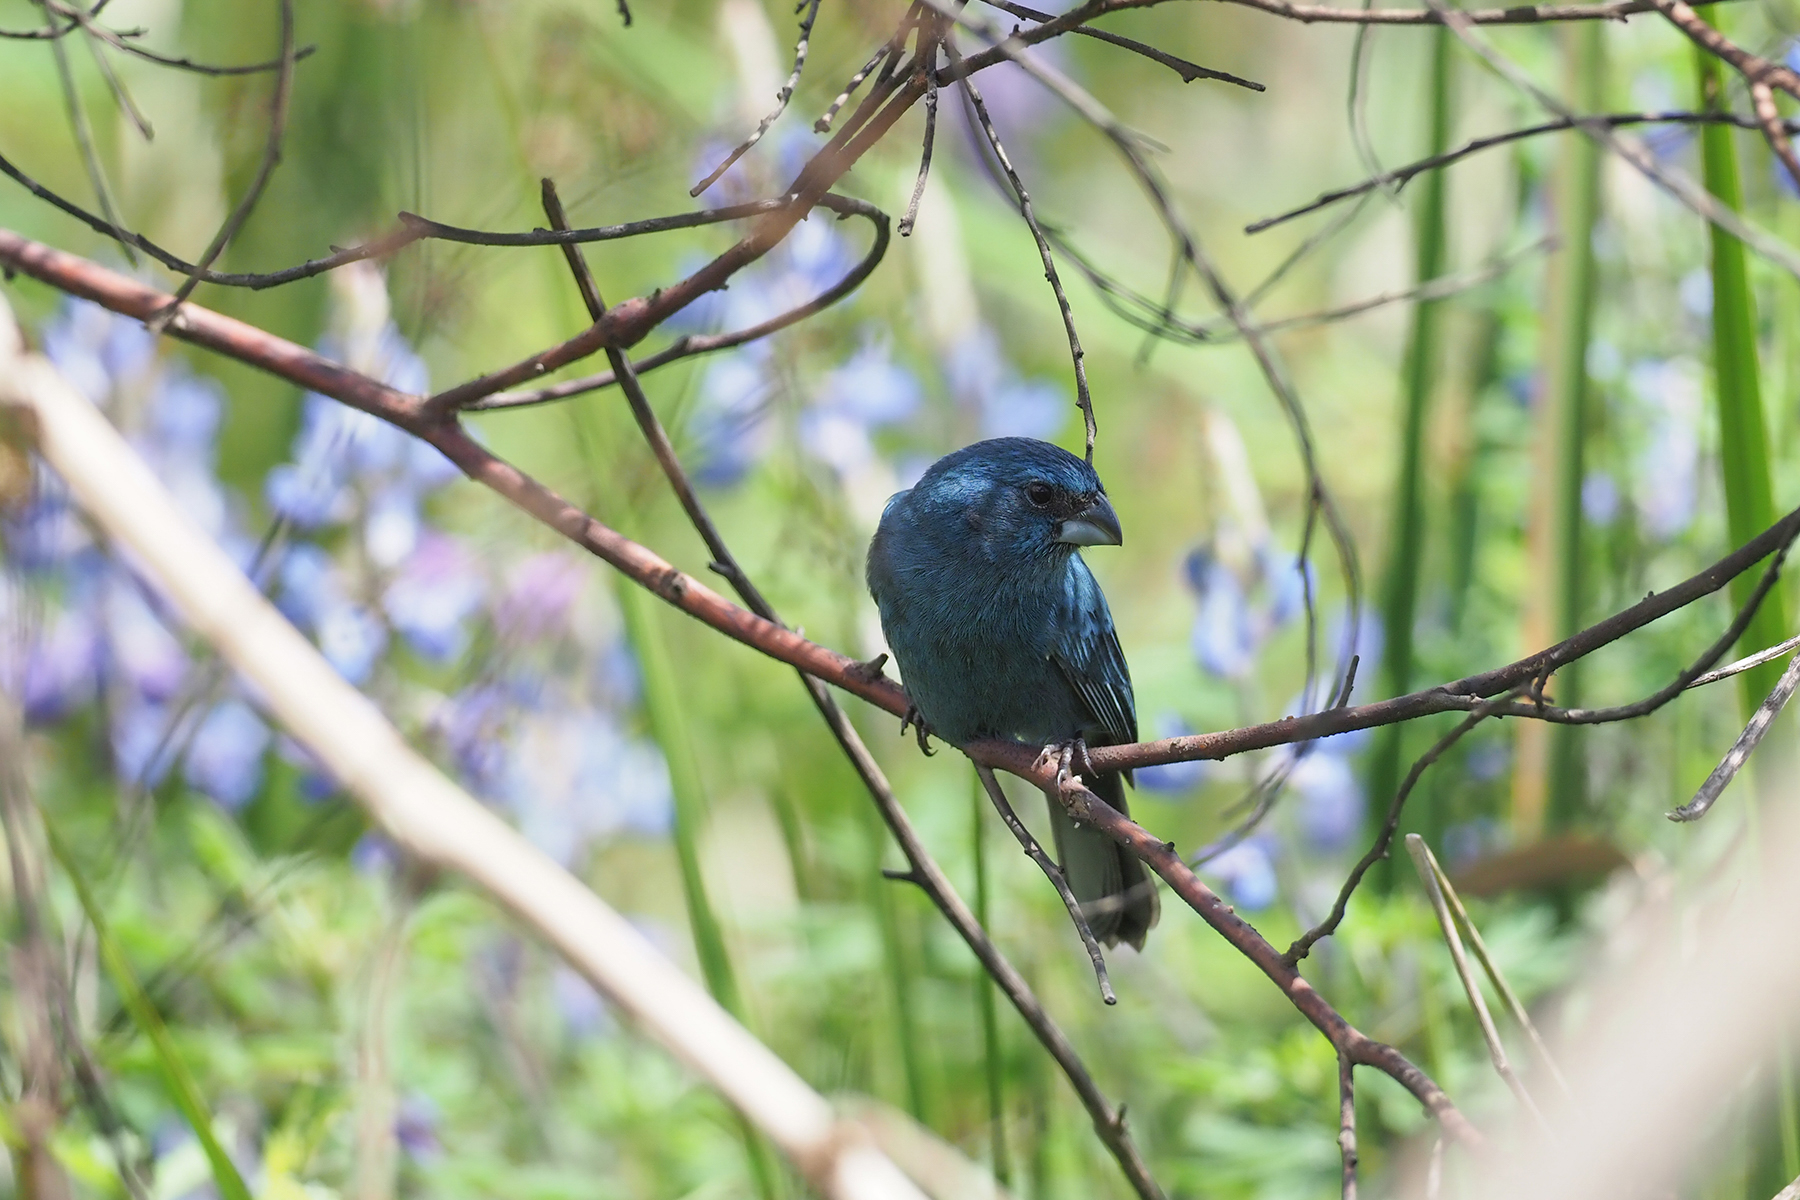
<point>1774,130</point>
<point>691,345</point>
<point>1522,14</point>
<point>923,870</point>
<point>1752,67</point>
<point>1350,1043</point>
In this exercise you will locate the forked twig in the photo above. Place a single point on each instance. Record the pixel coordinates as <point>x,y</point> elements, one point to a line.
<point>1746,743</point>
<point>1426,866</point>
<point>1492,969</point>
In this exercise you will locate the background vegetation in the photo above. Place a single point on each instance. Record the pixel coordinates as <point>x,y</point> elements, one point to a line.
<point>357,1028</point>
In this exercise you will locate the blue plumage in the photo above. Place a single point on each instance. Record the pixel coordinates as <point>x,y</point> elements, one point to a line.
<point>1000,630</point>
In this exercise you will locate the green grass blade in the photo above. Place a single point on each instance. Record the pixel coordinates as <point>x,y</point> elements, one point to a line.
<point>1743,437</point>
<point>1400,582</point>
<point>1566,409</point>
<point>176,1078</point>
<point>669,727</point>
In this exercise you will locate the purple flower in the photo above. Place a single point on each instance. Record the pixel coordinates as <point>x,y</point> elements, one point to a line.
<point>144,654</point>
<point>571,775</point>
<point>415,1128</point>
<point>224,760</point>
<point>730,424</point>
<point>1331,797</point>
<point>185,413</point>
<point>1599,498</point>
<point>391,526</point>
<point>583,1012</point>
<point>1669,466</point>
<point>433,596</point>
<point>352,639</point>
<point>1023,408</point>
<point>141,739</point>
<point>44,534</point>
<point>306,494</point>
<point>373,854</point>
<point>540,594</point>
<point>1177,776</point>
<point>310,585</point>
<point>1247,872</point>
<point>871,388</point>
<point>62,668</point>
<point>1224,641</point>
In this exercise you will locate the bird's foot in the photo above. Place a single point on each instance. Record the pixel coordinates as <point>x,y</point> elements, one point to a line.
<point>1065,756</point>
<point>870,671</point>
<point>915,720</point>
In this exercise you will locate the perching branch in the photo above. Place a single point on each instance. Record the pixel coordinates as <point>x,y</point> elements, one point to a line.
<point>1746,743</point>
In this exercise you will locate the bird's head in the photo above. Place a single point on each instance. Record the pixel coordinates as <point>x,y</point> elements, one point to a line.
<point>1021,495</point>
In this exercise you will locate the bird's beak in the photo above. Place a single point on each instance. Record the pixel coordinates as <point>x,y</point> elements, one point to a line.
<point>1095,525</point>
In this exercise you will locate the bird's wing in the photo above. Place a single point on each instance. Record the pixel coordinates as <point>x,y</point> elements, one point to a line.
<point>1088,654</point>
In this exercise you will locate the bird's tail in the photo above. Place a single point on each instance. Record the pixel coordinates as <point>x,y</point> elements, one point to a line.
<point>1116,893</point>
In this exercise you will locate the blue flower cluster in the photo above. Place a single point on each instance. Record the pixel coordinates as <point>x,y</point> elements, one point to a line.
<point>542,726</point>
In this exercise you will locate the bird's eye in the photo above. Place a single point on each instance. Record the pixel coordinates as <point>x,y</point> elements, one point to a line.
<point>1039,494</point>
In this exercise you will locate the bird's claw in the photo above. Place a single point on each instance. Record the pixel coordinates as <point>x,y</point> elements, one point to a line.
<point>915,720</point>
<point>1064,757</point>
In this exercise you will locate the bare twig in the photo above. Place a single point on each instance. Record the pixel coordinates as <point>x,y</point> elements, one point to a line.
<point>1400,176</point>
<point>1513,1004</point>
<point>84,137</point>
<point>1426,866</point>
<point>1748,663</point>
<point>278,115</point>
<point>1384,838</point>
<point>1181,66</point>
<point>931,108</point>
<point>1347,1123</point>
<point>811,8</point>
<point>1774,130</point>
<point>1053,873</point>
<point>888,53</point>
<point>1740,751</point>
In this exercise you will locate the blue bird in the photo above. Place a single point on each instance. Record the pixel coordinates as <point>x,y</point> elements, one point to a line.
<point>1000,630</point>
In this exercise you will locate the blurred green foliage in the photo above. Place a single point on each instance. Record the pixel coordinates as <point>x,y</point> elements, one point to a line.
<point>259,931</point>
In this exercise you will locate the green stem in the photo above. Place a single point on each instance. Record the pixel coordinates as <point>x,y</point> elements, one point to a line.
<point>1567,405</point>
<point>1743,438</point>
<point>1400,584</point>
<point>668,725</point>
<point>984,990</point>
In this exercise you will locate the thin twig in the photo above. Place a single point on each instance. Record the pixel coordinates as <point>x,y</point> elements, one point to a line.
<point>931,108</point>
<point>1181,66</point>
<point>782,97</point>
<point>84,139</point>
<point>1400,176</point>
<point>1774,130</point>
<point>1425,865</point>
<point>1740,751</point>
<point>1083,400</point>
<point>1053,873</point>
<point>1747,664</point>
<point>889,51</point>
<point>1492,969</point>
<point>1347,1123</point>
<point>278,115</point>
<point>1385,837</point>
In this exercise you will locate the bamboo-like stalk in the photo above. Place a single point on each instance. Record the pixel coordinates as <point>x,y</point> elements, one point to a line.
<point>1567,413</point>
<point>1400,584</point>
<point>1548,780</point>
<point>669,727</point>
<point>1743,437</point>
<point>424,812</point>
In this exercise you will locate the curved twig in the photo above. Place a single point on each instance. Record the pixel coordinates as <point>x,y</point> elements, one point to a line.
<point>781,100</point>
